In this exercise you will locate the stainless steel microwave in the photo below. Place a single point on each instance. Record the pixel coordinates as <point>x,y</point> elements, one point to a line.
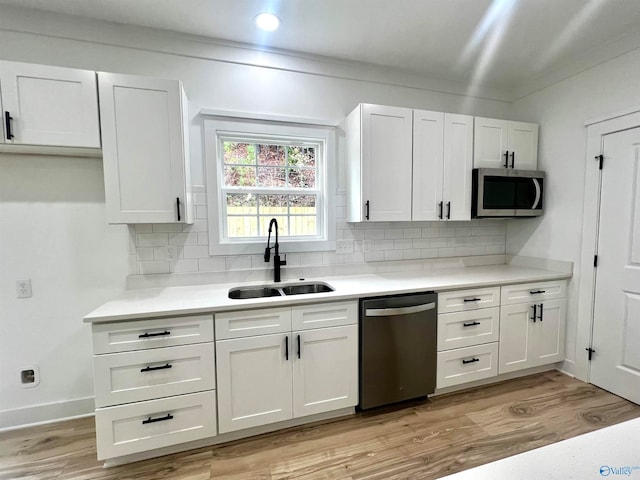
<point>504,192</point>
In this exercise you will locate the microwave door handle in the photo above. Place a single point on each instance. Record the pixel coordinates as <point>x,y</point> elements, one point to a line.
<point>538,193</point>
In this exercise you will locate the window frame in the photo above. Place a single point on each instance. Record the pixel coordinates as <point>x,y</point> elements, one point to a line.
<point>216,128</point>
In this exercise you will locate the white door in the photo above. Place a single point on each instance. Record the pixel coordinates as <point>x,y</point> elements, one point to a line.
<point>548,332</point>
<point>490,143</point>
<point>458,163</point>
<point>254,381</point>
<point>515,332</point>
<point>523,145</point>
<point>387,162</point>
<point>144,149</point>
<point>616,326</point>
<point>325,373</point>
<point>428,135</point>
<point>49,105</point>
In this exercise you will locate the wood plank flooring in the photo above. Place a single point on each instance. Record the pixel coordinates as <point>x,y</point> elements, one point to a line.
<point>421,440</point>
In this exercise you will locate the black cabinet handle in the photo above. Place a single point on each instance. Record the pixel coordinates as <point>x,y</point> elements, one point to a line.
<point>541,312</point>
<point>470,324</point>
<point>448,210</point>
<point>506,159</point>
<point>178,207</point>
<point>535,292</point>
<point>160,419</point>
<point>7,124</point>
<point>440,214</point>
<point>159,334</point>
<point>286,347</point>
<point>151,369</point>
<point>473,360</point>
<point>298,346</point>
<point>534,313</point>
<point>366,205</point>
<point>513,159</point>
<point>471,300</point>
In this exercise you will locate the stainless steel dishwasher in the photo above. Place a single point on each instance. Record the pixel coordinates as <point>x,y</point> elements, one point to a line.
<point>397,348</point>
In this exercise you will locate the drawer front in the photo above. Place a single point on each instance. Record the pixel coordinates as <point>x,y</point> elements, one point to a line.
<point>336,314</point>
<point>463,300</point>
<point>464,329</point>
<point>247,323</point>
<point>137,427</point>
<point>533,292</point>
<point>148,374</point>
<point>153,333</point>
<point>467,364</point>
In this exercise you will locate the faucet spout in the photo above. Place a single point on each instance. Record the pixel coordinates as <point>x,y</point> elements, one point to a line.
<point>277,263</point>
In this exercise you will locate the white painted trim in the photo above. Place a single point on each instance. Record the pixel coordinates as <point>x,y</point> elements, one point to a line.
<point>269,117</point>
<point>586,271</point>
<point>611,116</point>
<point>46,413</point>
<point>49,150</point>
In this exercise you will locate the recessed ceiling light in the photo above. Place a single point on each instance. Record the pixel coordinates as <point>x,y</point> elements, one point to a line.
<point>267,22</point>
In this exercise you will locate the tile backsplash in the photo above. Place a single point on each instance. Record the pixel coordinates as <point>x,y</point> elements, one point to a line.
<point>177,248</point>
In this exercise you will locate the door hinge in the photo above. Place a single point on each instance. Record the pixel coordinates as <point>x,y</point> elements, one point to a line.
<point>600,158</point>
<point>595,260</point>
<point>591,352</point>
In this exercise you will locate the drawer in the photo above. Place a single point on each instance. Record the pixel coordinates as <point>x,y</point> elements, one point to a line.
<point>467,364</point>
<point>462,300</point>
<point>159,372</point>
<point>533,292</point>
<point>152,333</point>
<point>141,426</point>
<point>335,314</point>
<point>464,329</point>
<point>247,323</point>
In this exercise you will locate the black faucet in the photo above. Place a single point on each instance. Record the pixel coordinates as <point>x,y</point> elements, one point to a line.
<point>277,263</point>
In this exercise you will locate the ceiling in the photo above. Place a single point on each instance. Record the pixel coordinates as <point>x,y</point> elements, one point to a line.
<point>497,43</point>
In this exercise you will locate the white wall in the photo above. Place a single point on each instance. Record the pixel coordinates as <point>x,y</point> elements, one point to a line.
<point>52,208</point>
<point>562,110</point>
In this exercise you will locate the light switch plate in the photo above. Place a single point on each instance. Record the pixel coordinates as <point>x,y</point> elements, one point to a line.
<point>344,246</point>
<point>23,288</point>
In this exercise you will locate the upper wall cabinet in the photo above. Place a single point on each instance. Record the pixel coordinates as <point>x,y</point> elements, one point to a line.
<point>144,123</point>
<point>379,160</point>
<point>442,161</point>
<point>48,106</point>
<point>504,144</point>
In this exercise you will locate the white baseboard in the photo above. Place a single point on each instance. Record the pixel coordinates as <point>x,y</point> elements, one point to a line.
<point>45,413</point>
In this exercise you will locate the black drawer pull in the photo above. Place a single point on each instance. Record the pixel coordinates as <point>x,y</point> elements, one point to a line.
<point>470,324</point>
<point>159,334</point>
<point>541,312</point>
<point>286,347</point>
<point>534,313</point>
<point>473,360</point>
<point>537,291</point>
<point>178,207</point>
<point>7,125</point>
<point>298,346</point>
<point>160,419</point>
<point>472,300</point>
<point>151,369</point>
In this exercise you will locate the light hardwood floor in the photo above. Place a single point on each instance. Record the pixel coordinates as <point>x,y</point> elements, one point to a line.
<point>420,440</point>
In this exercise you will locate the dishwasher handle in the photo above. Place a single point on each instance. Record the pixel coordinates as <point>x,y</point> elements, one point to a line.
<point>386,312</point>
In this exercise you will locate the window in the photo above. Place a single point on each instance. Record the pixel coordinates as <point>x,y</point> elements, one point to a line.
<point>259,170</point>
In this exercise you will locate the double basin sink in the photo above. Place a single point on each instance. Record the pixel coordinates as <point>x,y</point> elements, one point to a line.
<point>262,291</point>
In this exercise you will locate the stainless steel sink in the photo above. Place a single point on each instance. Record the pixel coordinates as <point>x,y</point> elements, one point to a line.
<point>262,291</point>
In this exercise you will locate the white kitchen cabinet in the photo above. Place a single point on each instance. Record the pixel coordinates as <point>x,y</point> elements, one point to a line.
<point>442,163</point>
<point>379,143</point>
<point>144,124</point>
<point>267,378</point>
<point>505,144</point>
<point>49,106</point>
<point>530,338</point>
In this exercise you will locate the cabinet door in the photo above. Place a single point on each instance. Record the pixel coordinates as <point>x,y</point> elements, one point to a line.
<point>144,149</point>
<point>428,134</point>
<point>458,155</point>
<point>387,162</point>
<point>50,105</point>
<point>325,373</point>
<point>523,145</point>
<point>254,381</point>
<point>549,332</point>
<point>490,143</point>
<point>515,333</point>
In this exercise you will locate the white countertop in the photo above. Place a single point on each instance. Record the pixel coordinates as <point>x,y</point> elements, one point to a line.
<point>184,300</point>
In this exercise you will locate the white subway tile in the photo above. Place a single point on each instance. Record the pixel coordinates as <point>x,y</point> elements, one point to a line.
<point>258,263</point>
<point>341,212</point>
<point>421,243</point>
<point>183,238</point>
<point>153,267</point>
<point>446,232</point>
<point>462,241</point>
<point>429,253</point>
<point>429,232</point>
<point>446,252</point>
<point>197,226</point>
<point>374,234</point>
<point>203,238</point>
<point>184,266</point>
<point>463,231</point>
<point>393,233</point>
<point>495,249</point>
<point>144,253</point>
<point>330,258</point>
<point>238,262</point>
<point>199,199</point>
<point>196,251</point>
<point>311,259</point>
<point>402,244</point>
<point>493,230</point>
<point>201,212</point>
<point>213,264</point>
<point>412,254</point>
<point>133,264</point>
<point>390,255</point>
<point>341,200</point>
<point>412,232</point>
<point>383,244</point>
<point>374,256</point>
<point>357,257</point>
<point>293,259</point>
<point>167,227</point>
<point>151,239</point>
<point>132,238</point>
<point>144,228</point>
<point>478,250</point>
<point>462,251</point>
<point>441,242</point>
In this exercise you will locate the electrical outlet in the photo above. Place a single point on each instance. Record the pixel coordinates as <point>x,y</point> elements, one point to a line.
<point>172,252</point>
<point>30,376</point>
<point>367,246</point>
<point>23,288</point>
<point>344,246</point>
